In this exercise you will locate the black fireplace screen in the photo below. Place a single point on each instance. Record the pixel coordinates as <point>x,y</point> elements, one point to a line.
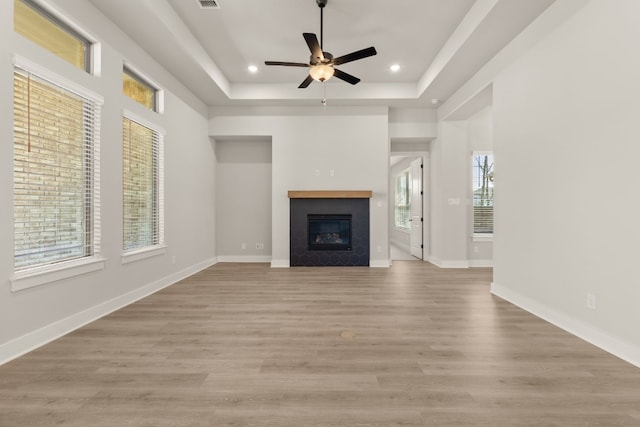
<point>329,232</point>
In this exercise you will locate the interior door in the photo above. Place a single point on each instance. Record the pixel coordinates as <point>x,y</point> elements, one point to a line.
<point>416,208</point>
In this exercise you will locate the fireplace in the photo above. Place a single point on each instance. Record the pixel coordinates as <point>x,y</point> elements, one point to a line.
<point>329,232</point>
<point>329,228</point>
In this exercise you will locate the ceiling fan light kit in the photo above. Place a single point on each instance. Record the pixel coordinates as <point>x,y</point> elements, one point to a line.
<point>321,72</point>
<point>322,64</point>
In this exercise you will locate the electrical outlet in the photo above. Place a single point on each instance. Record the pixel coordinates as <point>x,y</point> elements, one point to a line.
<point>331,172</point>
<point>317,172</point>
<point>243,246</point>
<point>173,259</point>
<point>476,249</point>
<point>591,301</point>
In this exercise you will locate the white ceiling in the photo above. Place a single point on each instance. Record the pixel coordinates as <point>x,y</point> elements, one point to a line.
<point>439,45</point>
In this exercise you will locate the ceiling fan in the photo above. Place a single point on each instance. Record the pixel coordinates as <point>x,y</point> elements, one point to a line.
<point>322,64</point>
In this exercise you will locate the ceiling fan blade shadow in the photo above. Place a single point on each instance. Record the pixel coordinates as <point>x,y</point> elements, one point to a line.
<point>306,82</point>
<point>286,64</point>
<point>314,46</point>
<point>354,56</point>
<point>345,76</point>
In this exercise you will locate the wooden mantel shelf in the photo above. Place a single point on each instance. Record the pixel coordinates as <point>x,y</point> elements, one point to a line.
<point>331,194</point>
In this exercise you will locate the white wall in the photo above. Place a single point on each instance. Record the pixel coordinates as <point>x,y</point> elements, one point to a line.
<point>31,317</point>
<point>566,146</point>
<point>243,200</point>
<point>307,145</point>
<point>449,195</point>
<point>411,124</point>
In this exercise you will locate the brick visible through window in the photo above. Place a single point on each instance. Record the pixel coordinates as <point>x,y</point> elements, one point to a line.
<point>142,186</point>
<point>55,173</point>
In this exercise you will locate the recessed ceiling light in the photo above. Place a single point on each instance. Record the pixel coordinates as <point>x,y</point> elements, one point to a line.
<point>395,68</point>
<point>252,69</point>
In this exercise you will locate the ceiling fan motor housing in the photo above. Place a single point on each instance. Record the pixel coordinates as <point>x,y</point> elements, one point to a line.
<point>328,58</point>
<point>322,3</point>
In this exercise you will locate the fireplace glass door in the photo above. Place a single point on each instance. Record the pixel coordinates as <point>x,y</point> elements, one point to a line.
<point>329,232</point>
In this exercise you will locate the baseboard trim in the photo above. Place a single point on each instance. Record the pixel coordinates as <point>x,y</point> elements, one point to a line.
<point>29,342</point>
<point>448,263</point>
<point>245,258</point>
<point>480,263</point>
<point>379,263</point>
<point>280,263</point>
<point>604,341</point>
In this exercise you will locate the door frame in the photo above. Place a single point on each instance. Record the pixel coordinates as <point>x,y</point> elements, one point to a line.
<point>416,234</point>
<point>426,198</point>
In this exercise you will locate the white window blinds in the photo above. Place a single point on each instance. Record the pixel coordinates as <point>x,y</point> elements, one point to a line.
<point>143,193</point>
<point>56,173</point>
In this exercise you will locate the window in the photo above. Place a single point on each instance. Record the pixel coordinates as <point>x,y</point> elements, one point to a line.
<point>55,173</point>
<point>138,89</point>
<point>142,163</point>
<point>39,26</point>
<point>403,200</point>
<point>482,193</point>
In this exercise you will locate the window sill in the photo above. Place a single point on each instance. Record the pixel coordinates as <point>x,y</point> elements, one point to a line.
<point>144,253</point>
<point>485,237</point>
<point>51,273</point>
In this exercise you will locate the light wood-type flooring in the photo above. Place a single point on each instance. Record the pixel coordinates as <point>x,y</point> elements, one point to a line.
<point>245,345</point>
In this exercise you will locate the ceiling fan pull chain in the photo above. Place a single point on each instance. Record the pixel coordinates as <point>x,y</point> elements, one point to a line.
<point>323,101</point>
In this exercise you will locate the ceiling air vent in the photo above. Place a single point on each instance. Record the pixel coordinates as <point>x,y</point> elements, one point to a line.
<point>209,4</point>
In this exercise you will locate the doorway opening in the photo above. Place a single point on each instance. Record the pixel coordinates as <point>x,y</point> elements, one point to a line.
<point>408,223</point>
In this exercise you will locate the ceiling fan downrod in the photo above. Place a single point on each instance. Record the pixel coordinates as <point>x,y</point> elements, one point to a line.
<point>321,5</point>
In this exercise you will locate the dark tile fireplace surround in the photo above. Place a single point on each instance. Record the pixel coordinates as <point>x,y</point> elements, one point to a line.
<point>329,204</point>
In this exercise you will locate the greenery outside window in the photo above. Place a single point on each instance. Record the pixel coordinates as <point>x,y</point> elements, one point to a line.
<point>41,27</point>
<point>139,89</point>
<point>143,192</point>
<point>482,188</point>
<point>402,202</point>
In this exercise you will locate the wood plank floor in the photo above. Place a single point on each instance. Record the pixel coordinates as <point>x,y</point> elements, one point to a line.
<point>245,345</point>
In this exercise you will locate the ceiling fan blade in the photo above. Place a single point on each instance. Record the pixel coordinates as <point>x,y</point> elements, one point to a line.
<point>314,46</point>
<point>306,82</point>
<point>286,64</point>
<point>354,56</point>
<point>345,76</point>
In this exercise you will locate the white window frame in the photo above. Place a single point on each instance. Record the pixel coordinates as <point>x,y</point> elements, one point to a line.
<point>135,73</point>
<point>478,237</point>
<point>137,254</point>
<point>30,277</point>
<point>407,174</point>
<point>92,47</point>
